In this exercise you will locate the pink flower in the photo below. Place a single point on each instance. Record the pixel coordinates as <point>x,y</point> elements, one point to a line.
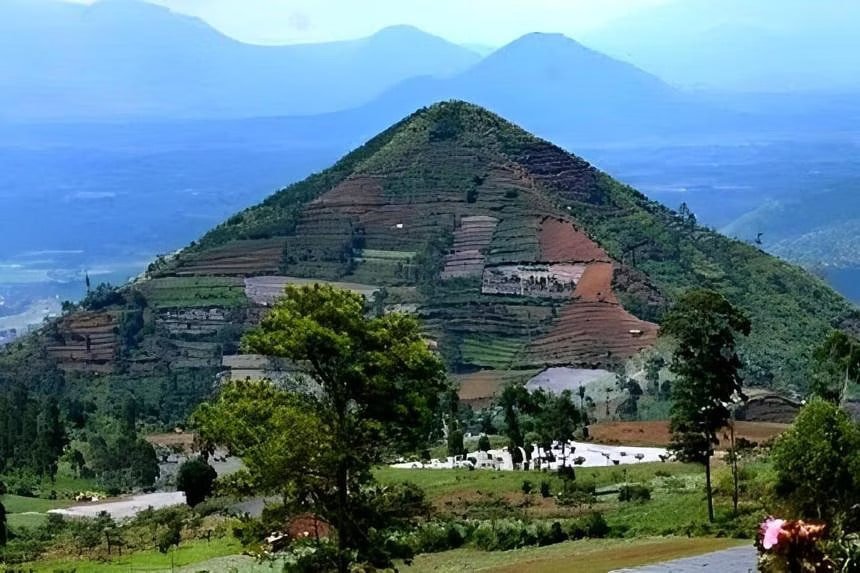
<point>771,529</point>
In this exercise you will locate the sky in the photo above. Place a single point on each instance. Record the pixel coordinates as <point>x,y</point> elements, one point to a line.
<point>481,22</point>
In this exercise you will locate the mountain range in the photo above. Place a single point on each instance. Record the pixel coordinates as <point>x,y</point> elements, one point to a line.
<point>130,59</point>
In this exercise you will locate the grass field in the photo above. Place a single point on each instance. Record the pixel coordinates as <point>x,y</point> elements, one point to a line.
<point>438,483</point>
<point>586,556</point>
<point>29,511</point>
<point>189,553</point>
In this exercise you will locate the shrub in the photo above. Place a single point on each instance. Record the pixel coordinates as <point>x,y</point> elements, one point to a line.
<point>596,526</point>
<point>634,492</point>
<point>550,534</point>
<point>527,487</point>
<point>196,479</point>
<point>577,492</point>
<point>545,489</point>
<point>434,537</point>
<point>591,526</point>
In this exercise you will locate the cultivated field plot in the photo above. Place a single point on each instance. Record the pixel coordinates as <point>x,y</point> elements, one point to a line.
<point>471,240</point>
<point>656,433</point>
<point>193,292</point>
<point>86,341</point>
<point>596,284</point>
<point>239,258</point>
<point>478,389</point>
<point>560,241</point>
<point>266,290</point>
<point>490,352</point>
<point>593,335</point>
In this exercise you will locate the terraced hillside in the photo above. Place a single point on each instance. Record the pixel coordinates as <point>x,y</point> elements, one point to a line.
<point>517,256</point>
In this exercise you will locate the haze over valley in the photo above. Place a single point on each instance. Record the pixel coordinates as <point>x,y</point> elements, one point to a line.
<point>102,172</point>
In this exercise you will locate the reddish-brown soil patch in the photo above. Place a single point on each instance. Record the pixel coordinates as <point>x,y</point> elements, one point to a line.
<point>593,335</point>
<point>308,526</point>
<point>479,388</point>
<point>596,284</point>
<point>561,242</point>
<point>656,433</point>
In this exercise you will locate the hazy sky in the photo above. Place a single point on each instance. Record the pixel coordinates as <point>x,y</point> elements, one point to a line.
<point>489,22</point>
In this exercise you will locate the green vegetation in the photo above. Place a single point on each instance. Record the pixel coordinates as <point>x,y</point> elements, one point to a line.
<point>378,385</point>
<point>196,479</point>
<point>817,464</point>
<point>193,292</point>
<point>75,395</point>
<point>705,326</point>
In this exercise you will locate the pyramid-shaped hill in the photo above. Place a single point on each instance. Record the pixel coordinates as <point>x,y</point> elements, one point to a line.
<point>515,254</point>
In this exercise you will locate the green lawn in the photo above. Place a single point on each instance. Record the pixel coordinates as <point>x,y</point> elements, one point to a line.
<point>586,556</point>
<point>189,553</point>
<point>437,483</point>
<point>29,511</point>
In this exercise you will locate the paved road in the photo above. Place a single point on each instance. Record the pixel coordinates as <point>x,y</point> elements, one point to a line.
<point>736,560</point>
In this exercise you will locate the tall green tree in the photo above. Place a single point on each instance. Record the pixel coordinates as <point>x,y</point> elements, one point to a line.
<point>515,399</point>
<point>50,439</point>
<point>705,327</point>
<point>817,462</point>
<point>375,388</point>
<point>556,418</point>
<point>836,365</point>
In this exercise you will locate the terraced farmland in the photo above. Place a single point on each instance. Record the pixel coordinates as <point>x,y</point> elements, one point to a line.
<point>85,341</point>
<point>238,258</point>
<point>490,352</point>
<point>266,290</point>
<point>193,292</point>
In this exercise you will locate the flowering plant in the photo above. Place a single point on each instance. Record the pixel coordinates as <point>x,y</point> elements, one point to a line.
<point>792,546</point>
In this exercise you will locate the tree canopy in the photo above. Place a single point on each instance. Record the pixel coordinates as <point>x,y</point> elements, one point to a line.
<point>817,462</point>
<point>371,387</point>
<point>708,370</point>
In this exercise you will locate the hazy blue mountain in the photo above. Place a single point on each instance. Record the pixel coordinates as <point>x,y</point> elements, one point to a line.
<point>765,45</point>
<point>127,58</point>
<point>560,89</point>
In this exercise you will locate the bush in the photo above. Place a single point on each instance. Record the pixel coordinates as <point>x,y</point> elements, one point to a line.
<point>634,492</point>
<point>592,526</point>
<point>527,487</point>
<point>196,479</point>
<point>545,489</point>
<point>577,493</point>
<point>434,537</point>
